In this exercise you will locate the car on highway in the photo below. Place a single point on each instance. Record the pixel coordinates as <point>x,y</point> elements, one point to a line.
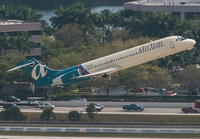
<point>10,99</point>
<point>46,105</point>
<point>190,109</point>
<point>133,107</point>
<point>138,90</point>
<point>98,107</point>
<point>78,100</point>
<point>9,105</point>
<point>171,93</point>
<point>156,89</point>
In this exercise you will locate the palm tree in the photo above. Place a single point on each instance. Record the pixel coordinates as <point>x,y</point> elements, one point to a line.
<point>6,42</point>
<point>27,13</point>
<point>76,13</point>
<point>23,43</point>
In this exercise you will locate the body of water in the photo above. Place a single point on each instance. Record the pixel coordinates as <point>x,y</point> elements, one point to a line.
<point>47,7</point>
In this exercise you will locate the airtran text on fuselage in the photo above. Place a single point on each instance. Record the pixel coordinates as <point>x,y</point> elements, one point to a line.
<point>151,46</point>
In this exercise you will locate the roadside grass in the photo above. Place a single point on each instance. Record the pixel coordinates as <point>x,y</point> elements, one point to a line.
<point>124,135</point>
<point>124,118</point>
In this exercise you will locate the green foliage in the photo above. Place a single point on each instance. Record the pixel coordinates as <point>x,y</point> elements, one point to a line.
<point>76,13</point>
<point>64,61</point>
<point>71,36</point>
<point>23,43</point>
<point>21,13</point>
<point>48,115</point>
<point>46,28</point>
<point>154,25</point>
<point>189,78</point>
<point>47,50</point>
<point>12,114</point>
<point>91,111</point>
<point>74,116</point>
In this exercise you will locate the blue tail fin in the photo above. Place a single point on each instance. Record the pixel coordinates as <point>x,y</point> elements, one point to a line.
<point>34,69</point>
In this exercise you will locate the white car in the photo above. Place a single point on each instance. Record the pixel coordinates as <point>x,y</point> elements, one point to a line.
<point>97,106</point>
<point>78,100</point>
<point>46,105</point>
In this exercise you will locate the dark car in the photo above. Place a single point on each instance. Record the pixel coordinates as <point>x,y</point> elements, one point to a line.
<point>133,107</point>
<point>10,99</point>
<point>9,105</point>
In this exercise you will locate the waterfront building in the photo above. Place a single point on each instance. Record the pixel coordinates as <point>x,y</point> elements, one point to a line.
<point>167,6</point>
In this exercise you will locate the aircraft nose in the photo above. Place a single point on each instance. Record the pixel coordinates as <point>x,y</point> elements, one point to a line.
<point>193,42</point>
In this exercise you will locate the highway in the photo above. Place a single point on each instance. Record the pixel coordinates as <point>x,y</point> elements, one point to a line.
<point>113,110</point>
<point>151,108</point>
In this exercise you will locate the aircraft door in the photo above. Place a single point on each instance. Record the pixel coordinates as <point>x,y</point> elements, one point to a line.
<point>171,44</point>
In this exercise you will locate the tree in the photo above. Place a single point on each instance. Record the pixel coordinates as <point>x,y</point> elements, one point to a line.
<point>91,111</point>
<point>48,114</point>
<point>189,77</point>
<point>23,43</point>
<point>133,77</point>
<point>12,113</point>
<point>47,50</point>
<point>154,25</point>
<point>22,13</point>
<point>46,28</point>
<point>107,83</point>
<point>74,116</point>
<point>3,75</point>
<point>76,13</point>
<point>160,79</point>
<point>71,36</point>
<point>64,61</point>
<point>6,42</point>
<point>28,14</point>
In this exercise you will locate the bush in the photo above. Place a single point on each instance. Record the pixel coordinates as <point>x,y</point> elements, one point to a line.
<point>47,115</point>
<point>74,116</point>
<point>91,111</point>
<point>12,114</point>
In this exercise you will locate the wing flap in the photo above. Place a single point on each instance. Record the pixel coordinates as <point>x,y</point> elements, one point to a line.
<point>99,72</point>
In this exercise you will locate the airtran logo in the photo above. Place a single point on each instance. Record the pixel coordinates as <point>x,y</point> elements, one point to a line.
<point>151,46</point>
<point>37,71</point>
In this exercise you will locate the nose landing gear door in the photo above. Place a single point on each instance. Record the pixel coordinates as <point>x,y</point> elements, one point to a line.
<point>171,44</point>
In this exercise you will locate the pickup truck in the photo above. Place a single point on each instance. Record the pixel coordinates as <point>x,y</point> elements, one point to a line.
<point>190,109</point>
<point>133,107</point>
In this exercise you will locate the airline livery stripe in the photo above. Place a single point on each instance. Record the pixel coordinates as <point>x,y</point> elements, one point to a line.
<point>82,69</point>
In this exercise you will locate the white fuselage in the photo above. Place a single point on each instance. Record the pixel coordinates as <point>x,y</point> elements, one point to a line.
<point>140,54</point>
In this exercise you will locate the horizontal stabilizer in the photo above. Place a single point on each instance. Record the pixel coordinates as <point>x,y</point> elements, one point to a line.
<point>20,66</point>
<point>99,72</point>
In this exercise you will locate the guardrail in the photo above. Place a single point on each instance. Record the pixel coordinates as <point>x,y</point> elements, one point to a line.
<point>100,130</point>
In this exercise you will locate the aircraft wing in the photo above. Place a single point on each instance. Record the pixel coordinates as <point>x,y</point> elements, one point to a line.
<point>102,72</point>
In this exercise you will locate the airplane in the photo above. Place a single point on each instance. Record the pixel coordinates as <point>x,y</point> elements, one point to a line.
<point>104,66</point>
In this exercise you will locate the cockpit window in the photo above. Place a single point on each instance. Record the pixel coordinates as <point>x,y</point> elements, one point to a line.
<point>180,38</point>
